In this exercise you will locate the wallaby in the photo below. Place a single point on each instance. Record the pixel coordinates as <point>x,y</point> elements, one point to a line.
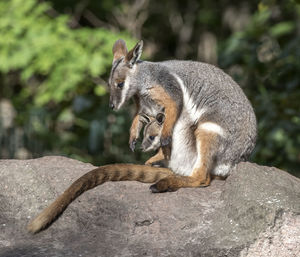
<point>209,122</point>
<point>153,125</point>
<point>152,132</point>
<point>114,172</point>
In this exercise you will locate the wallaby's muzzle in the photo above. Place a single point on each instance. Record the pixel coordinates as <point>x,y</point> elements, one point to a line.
<point>112,106</point>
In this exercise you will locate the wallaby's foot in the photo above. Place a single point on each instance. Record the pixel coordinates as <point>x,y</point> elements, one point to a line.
<point>173,183</point>
<point>169,184</point>
<point>161,188</point>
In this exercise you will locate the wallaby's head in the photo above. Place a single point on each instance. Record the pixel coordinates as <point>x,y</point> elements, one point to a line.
<point>123,68</point>
<point>152,133</point>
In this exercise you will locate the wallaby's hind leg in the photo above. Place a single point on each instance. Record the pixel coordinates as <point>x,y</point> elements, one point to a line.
<point>207,143</point>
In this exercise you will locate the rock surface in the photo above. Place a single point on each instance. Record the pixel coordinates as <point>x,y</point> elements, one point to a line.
<point>255,212</point>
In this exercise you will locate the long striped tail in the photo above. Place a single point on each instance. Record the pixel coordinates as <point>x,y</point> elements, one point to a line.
<point>93,178</point>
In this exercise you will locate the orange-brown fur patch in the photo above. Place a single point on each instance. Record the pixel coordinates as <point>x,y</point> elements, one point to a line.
<point>207,142</point>
<point>159,95</point>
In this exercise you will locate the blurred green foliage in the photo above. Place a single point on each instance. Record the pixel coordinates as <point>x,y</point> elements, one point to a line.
<point>38,45</point>
<point>269,55</point>
<point>55,59</point>
<point>52,75</point>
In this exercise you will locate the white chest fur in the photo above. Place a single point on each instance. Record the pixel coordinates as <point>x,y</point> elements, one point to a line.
<point>184,153</point>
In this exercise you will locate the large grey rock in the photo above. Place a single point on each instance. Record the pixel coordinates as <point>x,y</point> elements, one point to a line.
<point>255,212</point>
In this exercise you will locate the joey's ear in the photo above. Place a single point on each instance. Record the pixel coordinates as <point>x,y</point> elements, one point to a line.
<point>119,49</point>
<point>134,54</point>
<point>160,118</point>
<point>144,118</point>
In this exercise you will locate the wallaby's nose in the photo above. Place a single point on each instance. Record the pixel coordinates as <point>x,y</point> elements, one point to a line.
<point>143,148</point>
<point>112,106</point>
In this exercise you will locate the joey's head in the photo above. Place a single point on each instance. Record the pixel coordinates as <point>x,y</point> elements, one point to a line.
<point>152,133</point>
<point>121,80</point>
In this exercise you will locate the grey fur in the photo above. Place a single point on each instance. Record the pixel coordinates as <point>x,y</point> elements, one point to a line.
<point>226,103</point>
<point>210,92</point>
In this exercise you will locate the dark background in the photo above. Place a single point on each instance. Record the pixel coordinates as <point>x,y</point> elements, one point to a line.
<point>55,58</point>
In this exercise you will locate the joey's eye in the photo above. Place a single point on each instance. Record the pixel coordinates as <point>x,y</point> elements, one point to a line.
<point>121,84</point>
<point>151,138</point>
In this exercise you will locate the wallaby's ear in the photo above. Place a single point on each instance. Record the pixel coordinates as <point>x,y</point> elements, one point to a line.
<point>160,118</point>
<point>119,49</point>
<point>134,54</point>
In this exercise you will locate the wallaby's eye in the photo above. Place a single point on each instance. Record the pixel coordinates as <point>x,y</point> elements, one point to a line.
<point>151,138</point>
<point>121,84</point>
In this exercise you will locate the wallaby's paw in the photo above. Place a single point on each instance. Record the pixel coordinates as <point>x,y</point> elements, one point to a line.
<point>164,141</point>
<point>132,144</point>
